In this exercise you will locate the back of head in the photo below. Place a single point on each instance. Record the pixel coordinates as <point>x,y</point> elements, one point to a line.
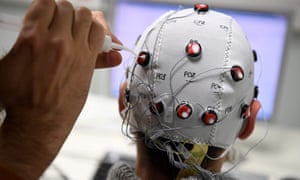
<point>192,80</point>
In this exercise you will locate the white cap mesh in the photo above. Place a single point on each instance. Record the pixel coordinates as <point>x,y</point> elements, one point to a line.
<point>204,82</point>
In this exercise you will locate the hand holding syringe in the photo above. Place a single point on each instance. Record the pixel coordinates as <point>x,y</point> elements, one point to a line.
<point>45,80</point>
<point>13,22</point>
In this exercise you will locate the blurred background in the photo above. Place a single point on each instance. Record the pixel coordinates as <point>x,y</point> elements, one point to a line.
<point>273,29</point>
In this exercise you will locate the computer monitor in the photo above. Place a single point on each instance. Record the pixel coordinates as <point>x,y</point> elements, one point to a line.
<point>265,31</point>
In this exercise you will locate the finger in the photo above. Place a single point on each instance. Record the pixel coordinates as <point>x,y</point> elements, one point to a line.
<point>111,59</point>
<point>63,18</point>
<point>82,24</point>
<point>40,13</point>
<point>98,16</point>
<point>96,37</point>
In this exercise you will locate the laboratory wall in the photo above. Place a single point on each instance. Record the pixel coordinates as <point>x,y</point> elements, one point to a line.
<point>287,104</point>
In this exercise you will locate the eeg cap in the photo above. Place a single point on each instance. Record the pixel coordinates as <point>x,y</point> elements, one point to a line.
<point>191,79</point>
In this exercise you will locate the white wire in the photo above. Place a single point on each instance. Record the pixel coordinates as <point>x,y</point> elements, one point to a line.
<point>243,157</point>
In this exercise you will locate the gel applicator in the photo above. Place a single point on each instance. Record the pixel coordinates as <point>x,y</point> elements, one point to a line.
<point>108,45</point>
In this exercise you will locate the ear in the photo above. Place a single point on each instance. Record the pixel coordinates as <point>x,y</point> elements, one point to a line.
<point>249,123</point>
<point>121,97</point>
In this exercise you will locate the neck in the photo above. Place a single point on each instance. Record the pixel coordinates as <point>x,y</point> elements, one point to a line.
<point>154,164</point>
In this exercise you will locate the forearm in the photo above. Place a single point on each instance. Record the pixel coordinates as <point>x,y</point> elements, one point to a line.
<point>23,159</point>
<point>7,174</point>
<point>29,147</point>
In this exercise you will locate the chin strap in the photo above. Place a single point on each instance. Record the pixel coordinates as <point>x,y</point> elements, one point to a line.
<point>196,156</point>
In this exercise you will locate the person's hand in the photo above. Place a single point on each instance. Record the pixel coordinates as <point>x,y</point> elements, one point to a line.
<point>45,80</point>
<point>113,57</point>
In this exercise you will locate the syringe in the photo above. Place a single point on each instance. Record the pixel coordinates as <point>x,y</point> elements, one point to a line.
<point>109,45</point>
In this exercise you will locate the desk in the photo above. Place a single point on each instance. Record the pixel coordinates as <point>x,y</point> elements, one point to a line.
<point>98,131</point>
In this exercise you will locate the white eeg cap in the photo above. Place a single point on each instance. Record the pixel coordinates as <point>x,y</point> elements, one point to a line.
<point>193,74</point>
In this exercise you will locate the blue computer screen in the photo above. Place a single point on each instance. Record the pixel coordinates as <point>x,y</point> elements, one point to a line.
<point>265,31</point>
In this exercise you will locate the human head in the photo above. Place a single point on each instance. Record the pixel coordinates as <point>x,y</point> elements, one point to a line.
<point>193,81</point>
